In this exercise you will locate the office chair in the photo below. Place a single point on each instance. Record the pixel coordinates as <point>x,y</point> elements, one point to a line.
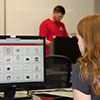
<point>1,98</point>
<point>58,71</point>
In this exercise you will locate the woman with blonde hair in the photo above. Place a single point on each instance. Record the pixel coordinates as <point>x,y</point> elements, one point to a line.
<point>86,73</point>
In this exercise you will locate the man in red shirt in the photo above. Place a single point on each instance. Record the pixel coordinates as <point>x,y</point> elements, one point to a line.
<point>53,26</point>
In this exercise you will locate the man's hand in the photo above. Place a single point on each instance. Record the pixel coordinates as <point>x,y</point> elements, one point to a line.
<point>47,42</point>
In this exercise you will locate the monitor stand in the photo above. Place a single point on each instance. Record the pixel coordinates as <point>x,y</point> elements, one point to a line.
<point>9,92</point>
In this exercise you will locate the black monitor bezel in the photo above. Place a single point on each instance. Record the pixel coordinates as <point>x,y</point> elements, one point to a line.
<point>36,85</point>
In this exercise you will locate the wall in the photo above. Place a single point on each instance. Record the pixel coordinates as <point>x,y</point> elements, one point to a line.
<point>1,17</point>
<point>24,16</point>
<point>97,6</point>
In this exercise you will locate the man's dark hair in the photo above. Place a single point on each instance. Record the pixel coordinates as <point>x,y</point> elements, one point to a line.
<point>59,9</point>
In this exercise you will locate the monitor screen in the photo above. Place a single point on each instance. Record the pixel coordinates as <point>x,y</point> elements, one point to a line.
<point>22,59</point>
<point>67,46</point>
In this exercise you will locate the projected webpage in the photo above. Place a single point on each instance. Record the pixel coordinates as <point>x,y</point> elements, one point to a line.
<point>21,61</point>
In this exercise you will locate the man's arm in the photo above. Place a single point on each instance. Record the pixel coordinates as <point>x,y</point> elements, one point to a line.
<point>43,32</point>
<point>80,96</point>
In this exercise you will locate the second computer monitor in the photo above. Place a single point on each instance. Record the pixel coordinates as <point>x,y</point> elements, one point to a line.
<point>66,46</point>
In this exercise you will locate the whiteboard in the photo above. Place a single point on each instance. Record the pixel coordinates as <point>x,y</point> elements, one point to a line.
<point>1,17</point>
<point>24,16</point>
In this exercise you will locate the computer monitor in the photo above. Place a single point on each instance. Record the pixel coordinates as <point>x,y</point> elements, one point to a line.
<point>66,46</point>
<point>22,62</point>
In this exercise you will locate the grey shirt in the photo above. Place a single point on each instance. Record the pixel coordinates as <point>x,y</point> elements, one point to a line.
<point>77,83</point>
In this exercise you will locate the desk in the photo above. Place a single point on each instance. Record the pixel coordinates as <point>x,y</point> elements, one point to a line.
<point>20,95</point>
<point>63,92</point>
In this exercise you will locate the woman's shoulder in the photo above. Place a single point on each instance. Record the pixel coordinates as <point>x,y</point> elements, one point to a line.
<point>78,83</point>
<point>76,67</point>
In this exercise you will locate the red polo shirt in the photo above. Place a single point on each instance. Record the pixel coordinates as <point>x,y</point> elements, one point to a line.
<point>49,28</point>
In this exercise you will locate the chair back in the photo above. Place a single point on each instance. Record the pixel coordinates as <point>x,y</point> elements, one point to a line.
<point>58,71</point>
